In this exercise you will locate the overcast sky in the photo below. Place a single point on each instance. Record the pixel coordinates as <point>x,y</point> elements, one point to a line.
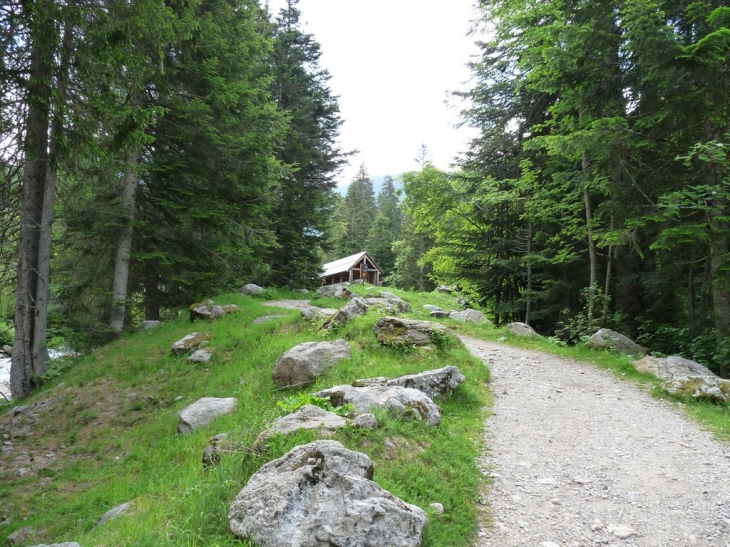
<point>393,64</point>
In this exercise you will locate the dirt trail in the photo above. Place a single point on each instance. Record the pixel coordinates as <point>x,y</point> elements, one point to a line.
<point>581,458</point>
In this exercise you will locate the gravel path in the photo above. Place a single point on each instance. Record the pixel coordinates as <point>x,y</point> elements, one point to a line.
<point>581,458</point>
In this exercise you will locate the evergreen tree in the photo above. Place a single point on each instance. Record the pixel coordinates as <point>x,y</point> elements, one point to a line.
<point>300,216</point>
<point>355,216</point>
<point>386,228</point>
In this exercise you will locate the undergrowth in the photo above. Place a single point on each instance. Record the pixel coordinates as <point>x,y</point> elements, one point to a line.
<point>112,423</point>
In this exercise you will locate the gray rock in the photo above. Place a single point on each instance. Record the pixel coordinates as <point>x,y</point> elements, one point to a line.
<point>307,417</point>
<point>400,304</point>
<point>437,508</point>
<point>216,312</point>
<point>431,307</point>
<point>306,362</point>
<point>201,310</point>
<point>191,342</point>
<point>445,289</point>
<point>469,316</point>
<point>521,329</point>
<point>313,313</point>
<point>400,400</point>
<point>201,356</point>
<point>434,383</point>
<point>8,350</point>
<point>203,411</point>
<point>622,531</point>
<point>251,290</point>
<point>266,318</point>
<point>395,331</point>
<point>700,387</point>
<point>379,303</point>
<point>366,421</point>
<point>439,314</point>
<point>349,311</point>
<point>338,290</point>
<point>319,495</point>
<point>18,410</point>
<point>20,536</point>
<point>612,340</point>
<point>668,368</point>
<point>118,511</point>
<point>147,325</point>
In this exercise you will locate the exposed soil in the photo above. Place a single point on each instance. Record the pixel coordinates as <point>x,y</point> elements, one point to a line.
<point>579,457</point>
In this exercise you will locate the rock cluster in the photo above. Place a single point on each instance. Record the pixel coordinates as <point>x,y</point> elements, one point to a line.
<point>669,368</point>
<point>191,342</point>
<point>402,401</point>
<point>700,387</point>
<point>434,383</point>
<point>210,311</point>
<point>322,494</point>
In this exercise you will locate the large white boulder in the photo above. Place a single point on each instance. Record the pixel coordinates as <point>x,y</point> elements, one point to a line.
<point>203,411</point>
<point>319,495</point>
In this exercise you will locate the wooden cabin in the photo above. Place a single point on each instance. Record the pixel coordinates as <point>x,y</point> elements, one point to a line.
<point>351,269</point>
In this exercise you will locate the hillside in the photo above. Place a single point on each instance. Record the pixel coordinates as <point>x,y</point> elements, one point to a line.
<point>102,432</point>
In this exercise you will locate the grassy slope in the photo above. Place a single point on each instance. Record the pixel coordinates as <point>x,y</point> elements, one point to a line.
<point>112,429</point>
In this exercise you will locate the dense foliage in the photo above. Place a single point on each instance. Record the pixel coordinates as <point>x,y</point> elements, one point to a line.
<point>180,148</point>
<point>597,191</point>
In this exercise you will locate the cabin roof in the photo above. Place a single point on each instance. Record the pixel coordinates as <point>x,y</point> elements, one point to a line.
<point>345,264</point>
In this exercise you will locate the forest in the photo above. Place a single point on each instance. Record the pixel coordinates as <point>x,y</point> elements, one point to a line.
<point>156,152</point>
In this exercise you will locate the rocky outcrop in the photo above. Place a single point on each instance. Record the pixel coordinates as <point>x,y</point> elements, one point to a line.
<point>432,308</point>
<point>307,417</point>
<point>191,342</point>
<point>439,314</point>
<point>338,290</point>
<point>608,339</point>
<point>668,368</point>
<point>306,362</point>
<point>203,411</point>
<point>400,305</point>
<point>365,421</point>
<point>349,311</point>
<point>700,387</point>
<point>319,495</point>
<point>395,331</point>
<point>150,324</point>
<point>252,290</point>
<point>469,316</point>
<point>521,329</point>
<point>434,383</point>
<point>402,401</point>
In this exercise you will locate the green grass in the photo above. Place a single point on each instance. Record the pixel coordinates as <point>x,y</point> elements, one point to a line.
<point>135,454</point>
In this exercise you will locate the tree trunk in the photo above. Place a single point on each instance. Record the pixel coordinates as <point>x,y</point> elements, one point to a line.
<point>151,292</point>
<point>720,275</point>
<point>40,334</point>
<point>124,245</point>
<point>528,304</point>
<point>22,369</point>
<point>592,255</point>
